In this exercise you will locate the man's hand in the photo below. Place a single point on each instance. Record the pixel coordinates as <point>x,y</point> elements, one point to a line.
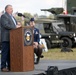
<point>17,26</point>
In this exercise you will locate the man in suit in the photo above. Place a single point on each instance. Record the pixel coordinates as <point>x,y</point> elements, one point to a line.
<point>8,22</point>
<point>0,33</point>
<point>36,45</point>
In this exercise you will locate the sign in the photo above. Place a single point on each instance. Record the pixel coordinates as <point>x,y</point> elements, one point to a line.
<point>28,37</point>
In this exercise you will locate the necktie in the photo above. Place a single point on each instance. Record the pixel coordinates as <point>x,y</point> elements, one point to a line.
<point>13,19</point>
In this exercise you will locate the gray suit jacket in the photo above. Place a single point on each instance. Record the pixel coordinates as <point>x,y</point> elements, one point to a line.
<point>6,25</point>
<point>0,30</point>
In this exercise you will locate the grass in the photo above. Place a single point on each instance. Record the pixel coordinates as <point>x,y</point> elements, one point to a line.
<point>56,54</point>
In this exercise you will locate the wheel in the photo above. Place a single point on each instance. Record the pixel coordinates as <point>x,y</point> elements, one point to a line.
<point>67,42</point>
<point>48,43</point>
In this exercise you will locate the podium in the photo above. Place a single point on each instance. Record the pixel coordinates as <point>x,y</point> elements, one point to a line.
<point>21,49</point>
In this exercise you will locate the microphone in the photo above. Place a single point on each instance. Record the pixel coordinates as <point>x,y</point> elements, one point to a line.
<point>20,14</point>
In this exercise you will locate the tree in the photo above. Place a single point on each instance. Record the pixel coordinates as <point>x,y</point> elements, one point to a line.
<point>27,15</point>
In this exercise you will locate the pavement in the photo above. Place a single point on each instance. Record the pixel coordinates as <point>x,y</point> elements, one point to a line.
<point>43,65</point>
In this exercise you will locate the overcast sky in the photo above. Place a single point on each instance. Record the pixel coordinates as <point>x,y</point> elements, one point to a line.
<point>31,6</point>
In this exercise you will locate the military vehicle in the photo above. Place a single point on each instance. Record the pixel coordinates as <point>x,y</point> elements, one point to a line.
<point>58,28</point>
<point>54,32</point>
<point>69,21</point>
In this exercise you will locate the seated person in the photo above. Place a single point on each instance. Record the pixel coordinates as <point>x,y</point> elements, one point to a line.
<point>36,45</point>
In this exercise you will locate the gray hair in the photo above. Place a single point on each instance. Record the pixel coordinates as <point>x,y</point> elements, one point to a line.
<point>7,6</point>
